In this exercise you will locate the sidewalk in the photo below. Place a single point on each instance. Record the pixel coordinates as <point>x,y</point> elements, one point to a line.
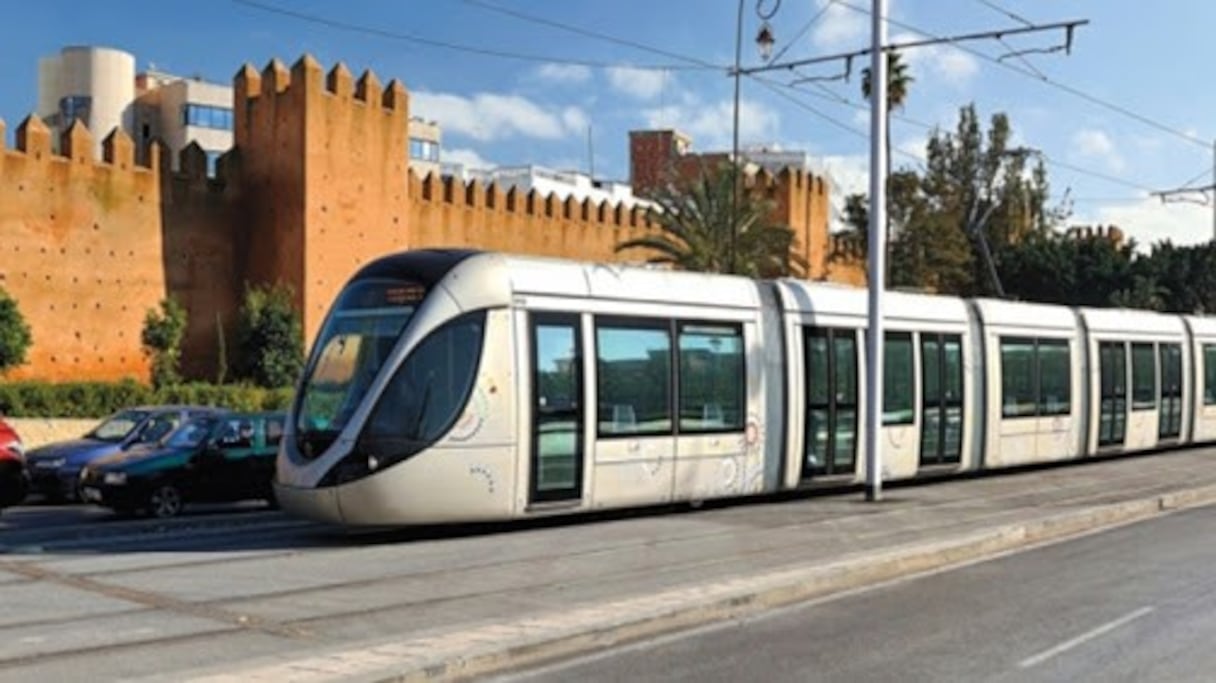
<point>622,580</point>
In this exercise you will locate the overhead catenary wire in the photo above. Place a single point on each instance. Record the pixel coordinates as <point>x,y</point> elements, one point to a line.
<point>997,8</point>
<point>588,33</point>
<point>802,31</point>
<point>1043,78</point>
<point>458,47</point>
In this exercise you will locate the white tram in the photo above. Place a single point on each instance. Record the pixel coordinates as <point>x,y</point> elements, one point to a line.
<point>450,386</point>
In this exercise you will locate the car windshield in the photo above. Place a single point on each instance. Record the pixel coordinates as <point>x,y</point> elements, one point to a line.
<point>361,332</point>
<point>191,434</point>
<point>117,427</point>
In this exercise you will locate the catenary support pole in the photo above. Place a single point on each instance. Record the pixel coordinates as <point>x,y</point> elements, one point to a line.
<point>878,247</point>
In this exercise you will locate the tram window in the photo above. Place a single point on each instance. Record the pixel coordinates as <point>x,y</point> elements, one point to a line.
<point>712,378</point>
<point>428,391</point>
<point>1054,375</point>
<point>1018,395</point>
<point>1209,374</point>
<point>1144,377</point>
<point>633,365</point>
<point>897,379</point>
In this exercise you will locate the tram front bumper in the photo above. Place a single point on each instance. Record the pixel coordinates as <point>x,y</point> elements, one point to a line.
<point>316,504</point>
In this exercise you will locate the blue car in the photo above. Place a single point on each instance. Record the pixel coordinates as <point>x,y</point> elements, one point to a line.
<point>54,470</point>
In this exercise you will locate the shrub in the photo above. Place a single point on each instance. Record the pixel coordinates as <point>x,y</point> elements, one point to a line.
<point>15,338</point>
<point>98,399</point>
<point>162,341</point>
<point>270,337</point>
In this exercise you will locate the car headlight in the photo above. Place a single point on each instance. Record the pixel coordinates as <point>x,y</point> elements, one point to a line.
<point>18,448</point>
<point>115,478</point>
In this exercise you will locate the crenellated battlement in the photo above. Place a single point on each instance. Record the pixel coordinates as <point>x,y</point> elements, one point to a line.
<point>33,145</point>
<point>471,195</point>
<point>307,77</point>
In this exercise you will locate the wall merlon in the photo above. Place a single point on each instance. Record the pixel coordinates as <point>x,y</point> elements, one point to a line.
<point>275,78</point>
<point>475,195</point>
<point>33,137</point>
<point>549,204</point>
<point>192,161</point>
<point>570,208</point>
<point>427,186</point>
<point>118,150</point>
<point>307,75</point>
<point>76,143</point>
<point>369,90</point>
<point>340,82</point>
<point>449,189</point>
<point>512,199</point>
<point>395,97</point>
<point>494,197</point>
<point>247,82</point>
<point>637,217</point>
<point>586,209</point>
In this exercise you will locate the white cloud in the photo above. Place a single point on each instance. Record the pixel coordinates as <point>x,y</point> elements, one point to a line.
<point>712,126</point>
<point>839,26</point>
<point>465,157</point>
<point>490,116</point>
<point>1090,143</point>
<point>564,73</point>
<point>642,84</point>
<point>574,119</point>
<point>846,175</point>
<point>1149,221</point>
<point>945,63</point>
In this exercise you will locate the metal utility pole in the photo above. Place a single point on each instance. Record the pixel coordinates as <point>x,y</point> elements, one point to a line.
<point>878,250</point>
<point>1211,201</point>
<point>878,188</point>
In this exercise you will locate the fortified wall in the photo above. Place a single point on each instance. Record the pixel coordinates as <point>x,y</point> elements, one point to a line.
<point>316,184</point>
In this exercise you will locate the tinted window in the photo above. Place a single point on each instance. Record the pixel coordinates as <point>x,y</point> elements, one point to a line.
<point>712,377</point>
<point>118,426</point>
<point>1144,377</point>
<point>1209,374</point>
<point>633,364</point>
<point>1018,395</point>
<point>1055,374</point>
<point>897,379</point>
<point>428,392</point>
<point>274,431</point>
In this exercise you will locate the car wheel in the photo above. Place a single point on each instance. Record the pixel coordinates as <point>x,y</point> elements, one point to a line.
<point>165,501</point>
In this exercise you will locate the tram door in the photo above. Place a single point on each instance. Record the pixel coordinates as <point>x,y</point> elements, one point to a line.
<point>941,428</point>
<point>1112,418</point>
<point>831,392</point>
<point>557,408</point>
<point>1170,422</point>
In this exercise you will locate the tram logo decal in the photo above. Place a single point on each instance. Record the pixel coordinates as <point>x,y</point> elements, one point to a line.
<point>474,417</point>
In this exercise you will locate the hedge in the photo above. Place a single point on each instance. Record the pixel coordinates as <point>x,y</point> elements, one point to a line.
<point>98,399</point>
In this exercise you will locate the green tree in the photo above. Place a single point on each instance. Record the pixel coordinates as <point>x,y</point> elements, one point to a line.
<point>15,337</point>
<point>270,337</point>
<point>162,341</point>
<point>695,227</point>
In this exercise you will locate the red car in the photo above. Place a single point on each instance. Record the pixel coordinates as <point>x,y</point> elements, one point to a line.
<point>13,482</point>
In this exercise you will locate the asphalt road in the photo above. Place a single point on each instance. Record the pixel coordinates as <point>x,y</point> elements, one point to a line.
<point>1133,604</point>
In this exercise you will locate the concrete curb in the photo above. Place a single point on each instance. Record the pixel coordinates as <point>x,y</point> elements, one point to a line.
<point>482,650</point>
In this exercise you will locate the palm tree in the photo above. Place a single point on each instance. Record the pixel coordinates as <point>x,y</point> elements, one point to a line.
<point>695,229</point>
<point>898,81</point>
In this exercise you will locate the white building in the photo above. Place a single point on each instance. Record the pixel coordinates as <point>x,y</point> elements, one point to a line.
<point>93,84</point>
<point>180,111</point>
<point>560,184</point>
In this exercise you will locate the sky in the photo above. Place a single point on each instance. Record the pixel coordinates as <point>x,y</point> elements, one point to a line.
<point>1130,112</point>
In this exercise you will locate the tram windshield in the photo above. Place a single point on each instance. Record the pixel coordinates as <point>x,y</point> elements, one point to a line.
<point>352,346</point>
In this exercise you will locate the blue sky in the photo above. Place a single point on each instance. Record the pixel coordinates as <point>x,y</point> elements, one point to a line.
<point>496,110</point>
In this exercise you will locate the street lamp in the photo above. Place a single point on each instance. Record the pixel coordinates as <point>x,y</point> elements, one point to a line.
<point>765,41</point>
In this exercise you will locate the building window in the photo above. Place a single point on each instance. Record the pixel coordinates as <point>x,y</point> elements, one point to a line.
<point>634,377</point>
<point>74,107</point>
<point>712,378</point>
<point>206,116</point>
<point>424,150</point>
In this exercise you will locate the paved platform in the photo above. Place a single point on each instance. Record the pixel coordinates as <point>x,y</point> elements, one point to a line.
<point>275,599</point>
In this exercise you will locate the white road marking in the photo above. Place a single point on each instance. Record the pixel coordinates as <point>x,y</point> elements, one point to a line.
<point>1083,638</point>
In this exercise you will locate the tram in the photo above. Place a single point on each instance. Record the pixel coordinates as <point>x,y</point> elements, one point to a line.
<point>456,386</point>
